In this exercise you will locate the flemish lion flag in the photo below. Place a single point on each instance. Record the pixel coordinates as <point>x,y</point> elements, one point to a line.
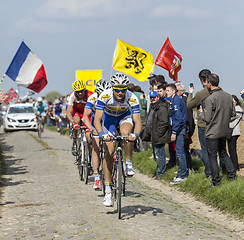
<point>169,59</point>
<point>89,77</point>
<point>133,61</point>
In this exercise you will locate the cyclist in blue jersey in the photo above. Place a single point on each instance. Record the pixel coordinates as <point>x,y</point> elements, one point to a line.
<point>57,113</point>
<point>90,109</point>
<point>113,109</point>
<point>40,109</point>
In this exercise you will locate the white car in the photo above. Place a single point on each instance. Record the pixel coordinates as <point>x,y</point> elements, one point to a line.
<point>19,117</point>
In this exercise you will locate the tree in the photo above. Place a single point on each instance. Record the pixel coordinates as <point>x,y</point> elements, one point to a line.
<point>51,96</point>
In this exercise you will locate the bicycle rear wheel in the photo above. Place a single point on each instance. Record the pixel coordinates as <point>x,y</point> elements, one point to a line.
<point>120,187</point>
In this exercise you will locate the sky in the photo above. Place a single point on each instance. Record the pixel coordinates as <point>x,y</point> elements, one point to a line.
<point>70,35</point>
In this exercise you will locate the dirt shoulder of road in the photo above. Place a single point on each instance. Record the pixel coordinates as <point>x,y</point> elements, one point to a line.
<point>198,208</point>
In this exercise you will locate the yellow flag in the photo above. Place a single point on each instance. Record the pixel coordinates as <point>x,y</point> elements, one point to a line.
<point>133,61</point>
<point>89,77</point>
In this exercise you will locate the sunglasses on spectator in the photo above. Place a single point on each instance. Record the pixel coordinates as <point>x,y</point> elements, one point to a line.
<point>120,89</point>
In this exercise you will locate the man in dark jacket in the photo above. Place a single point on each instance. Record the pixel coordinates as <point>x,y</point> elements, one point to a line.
<point>217,113</point>
<point>178,119</point>
<point>158,125</point>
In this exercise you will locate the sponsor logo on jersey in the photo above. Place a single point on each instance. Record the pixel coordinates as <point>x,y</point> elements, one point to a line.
<point>132,100</point>
<point>106,96</point>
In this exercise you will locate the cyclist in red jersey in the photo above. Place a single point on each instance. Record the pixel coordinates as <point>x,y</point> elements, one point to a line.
<point>76,104</point>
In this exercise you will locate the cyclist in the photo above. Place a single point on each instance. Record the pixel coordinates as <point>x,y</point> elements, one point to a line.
<point>40,109</point>
<point>90,110</point>
<point>57,113</point>
<point>75,109</point>
<point>113,108</point>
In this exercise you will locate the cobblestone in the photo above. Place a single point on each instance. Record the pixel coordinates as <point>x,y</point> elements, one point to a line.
<point>44,199</point>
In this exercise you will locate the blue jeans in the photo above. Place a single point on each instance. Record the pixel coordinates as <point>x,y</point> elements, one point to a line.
<point>160,159</point>
<point>180,152</point>
<point>214,146</point>
<point>203,143</point>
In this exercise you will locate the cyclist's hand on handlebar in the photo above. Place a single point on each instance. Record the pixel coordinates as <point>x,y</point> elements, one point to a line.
<point>95,133</point>
<point>104,136</point>
<point>76,126</point>
<point>133,136</point>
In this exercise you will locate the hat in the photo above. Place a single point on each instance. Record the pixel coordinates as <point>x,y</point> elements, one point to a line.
<point>152,75</point>
<point>153,94</point>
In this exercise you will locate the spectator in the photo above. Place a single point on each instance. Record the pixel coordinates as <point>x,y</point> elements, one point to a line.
<point>218,110</point>
<point>159,131</point>
<point>242,94</point>
<point>235,123</point>
<point>177,119</point>
<point>195,102</point>
<point>190,125</point>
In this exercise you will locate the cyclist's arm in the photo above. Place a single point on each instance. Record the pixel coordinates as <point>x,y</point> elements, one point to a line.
<point>86,121</point>
<point>97,120</point>
<point>137,121</point>
<point>53,112</point>
<point>69,113</point>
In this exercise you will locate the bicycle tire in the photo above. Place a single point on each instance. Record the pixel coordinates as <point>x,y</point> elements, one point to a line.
<point>120,190</point>
<point>84,162</point>
<point>123,180</point>
<point>86,165</point>
<point>78,160</point>
<point>102,183</point>
<point>39,130</point>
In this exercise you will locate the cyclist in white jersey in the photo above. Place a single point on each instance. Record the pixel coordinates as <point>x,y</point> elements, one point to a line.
<point>116,107</point>
<point>90,109</point>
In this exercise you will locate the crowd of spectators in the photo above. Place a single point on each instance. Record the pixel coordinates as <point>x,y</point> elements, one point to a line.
<point>168,119</point>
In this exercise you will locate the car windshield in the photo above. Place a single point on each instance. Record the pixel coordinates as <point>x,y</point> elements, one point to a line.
<point>21,109</point>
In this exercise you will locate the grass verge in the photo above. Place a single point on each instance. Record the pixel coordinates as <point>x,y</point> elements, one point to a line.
<point>229,197</point>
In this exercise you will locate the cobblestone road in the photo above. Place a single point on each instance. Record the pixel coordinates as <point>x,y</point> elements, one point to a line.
<point>44,199</point>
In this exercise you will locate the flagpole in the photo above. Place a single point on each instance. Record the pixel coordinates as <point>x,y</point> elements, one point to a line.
<point>113,57</point>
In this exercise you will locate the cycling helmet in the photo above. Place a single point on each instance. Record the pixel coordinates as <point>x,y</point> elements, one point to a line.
<point>78,85</point>
<point>119,79</point>
<point>39,99</point>
<point>56,101</point>
<point>102,85</point>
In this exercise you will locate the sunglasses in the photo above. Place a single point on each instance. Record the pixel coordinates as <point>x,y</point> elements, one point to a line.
<point>120,90</point>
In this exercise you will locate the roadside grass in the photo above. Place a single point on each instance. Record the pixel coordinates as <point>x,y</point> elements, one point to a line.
<point>229,197</point>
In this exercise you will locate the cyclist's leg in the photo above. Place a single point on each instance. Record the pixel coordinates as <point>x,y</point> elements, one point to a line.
<point>74,145</point>
<point>95,161</point>
<point>126,127</point>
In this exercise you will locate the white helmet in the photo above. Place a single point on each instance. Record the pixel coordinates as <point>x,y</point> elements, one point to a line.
<point>102,85</point>
<point>119,79</point>
<point>39,99</point>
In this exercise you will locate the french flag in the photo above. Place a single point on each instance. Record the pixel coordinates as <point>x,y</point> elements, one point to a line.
<point>27,70</point>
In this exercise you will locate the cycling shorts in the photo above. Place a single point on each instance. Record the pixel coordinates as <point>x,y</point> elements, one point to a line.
<point>42,113</point>
<point>111,123</point>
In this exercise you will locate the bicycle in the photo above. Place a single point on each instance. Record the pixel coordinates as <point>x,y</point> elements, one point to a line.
<point>118,180</point>
<point>83,160</point>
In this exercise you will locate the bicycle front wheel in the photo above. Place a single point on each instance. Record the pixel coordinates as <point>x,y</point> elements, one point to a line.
<point>85,161</point>
<point>39,130</point>
<point>78,160</point>
<point>120,187</point>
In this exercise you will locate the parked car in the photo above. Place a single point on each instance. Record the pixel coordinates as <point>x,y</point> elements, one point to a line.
<point>19,117</point>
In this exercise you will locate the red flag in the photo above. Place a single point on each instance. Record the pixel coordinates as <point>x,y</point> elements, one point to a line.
<point>169,59</point>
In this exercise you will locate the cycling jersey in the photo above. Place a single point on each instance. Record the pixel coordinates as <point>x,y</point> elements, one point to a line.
<point>58,110</point>
<point>92,103</point>
<point>107,103</point>
<point>41,109</point>
<point>78,105</point>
